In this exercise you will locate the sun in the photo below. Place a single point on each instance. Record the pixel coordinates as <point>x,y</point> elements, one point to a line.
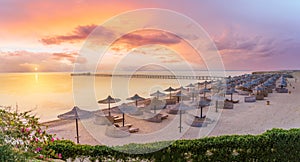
<point>36,69</point>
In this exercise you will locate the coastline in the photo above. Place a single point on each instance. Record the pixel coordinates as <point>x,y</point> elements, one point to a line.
<point>245,118</point>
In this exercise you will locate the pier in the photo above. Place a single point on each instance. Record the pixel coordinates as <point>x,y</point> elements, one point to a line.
<point>152,76</point>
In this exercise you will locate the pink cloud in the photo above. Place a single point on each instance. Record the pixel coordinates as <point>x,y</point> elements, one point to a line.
<point>79,33</point>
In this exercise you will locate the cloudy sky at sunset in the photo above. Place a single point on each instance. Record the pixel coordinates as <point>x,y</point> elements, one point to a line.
<point>48,35</point>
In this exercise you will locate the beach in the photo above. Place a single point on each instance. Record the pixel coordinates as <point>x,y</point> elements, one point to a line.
<point>245,118</point>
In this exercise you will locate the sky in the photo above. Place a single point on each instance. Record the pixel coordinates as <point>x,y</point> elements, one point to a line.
<point>53,36</point>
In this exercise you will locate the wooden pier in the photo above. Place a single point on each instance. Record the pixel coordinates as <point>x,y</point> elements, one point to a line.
<point>152,76</point>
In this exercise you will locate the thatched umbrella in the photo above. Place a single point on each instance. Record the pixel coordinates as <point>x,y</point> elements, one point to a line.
<point>199,84</point>
<point>108,101</point>
<point>181,88</point>
<point>204,90</point>
<point>136,98</point>
<point>218,97</point>
<point>178,95</point>
<point>158,94</point>
<point>193,92</point>
<point>182,107</point>
<point>170,89</point>
<point>126,109</point>
<point>203,103</point>
<point>230,92</point>
<point>76,114</point>
<point>190,86</point>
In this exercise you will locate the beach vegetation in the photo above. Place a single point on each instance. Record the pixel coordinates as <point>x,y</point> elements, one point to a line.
<point>273,145</point>
<point>22,137</point>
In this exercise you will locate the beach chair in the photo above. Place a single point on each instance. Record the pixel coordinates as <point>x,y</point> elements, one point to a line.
<point>133,130</point>
<point>118,120</point>
<point>170,101</point>
<point>250,99</point>
<point>228,105</point>
<point>125,125</point>
<point>164,116</point>
<point>259,96</point>
<point>103,119</point>
<point>113,131</point>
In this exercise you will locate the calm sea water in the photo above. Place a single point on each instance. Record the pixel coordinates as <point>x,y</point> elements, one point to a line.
<point>50,94</point>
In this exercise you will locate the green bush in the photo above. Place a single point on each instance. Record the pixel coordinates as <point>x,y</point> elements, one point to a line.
<point>22,137</point>
<point>273,145</point>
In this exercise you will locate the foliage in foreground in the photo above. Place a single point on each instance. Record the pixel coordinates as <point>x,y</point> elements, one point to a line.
<point>22,137</point>
<point>273,145</point>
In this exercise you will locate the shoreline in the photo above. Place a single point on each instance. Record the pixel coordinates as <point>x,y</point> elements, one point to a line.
<point>245,118</point>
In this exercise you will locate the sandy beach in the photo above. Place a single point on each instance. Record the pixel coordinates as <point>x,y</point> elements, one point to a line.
<point>244,118</point>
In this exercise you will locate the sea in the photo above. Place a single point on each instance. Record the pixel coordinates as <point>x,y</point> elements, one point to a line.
<point>47,95</point>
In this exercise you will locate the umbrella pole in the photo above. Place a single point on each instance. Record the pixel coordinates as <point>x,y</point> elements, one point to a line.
<point>108,108</point>
<point>201,111</point>
<point>123,119</point>
<point>136,103</point>
<point>192,97</point>
<point>77,133</point>
<point>180,121</point>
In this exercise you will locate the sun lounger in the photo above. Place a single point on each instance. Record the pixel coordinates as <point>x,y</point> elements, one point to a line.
<point>170,101</point>
<point>103,119</point>
<point>136,113</point>
<point>113,131</point>
<point>133,130</point>
<point>282,90</point>
<point>164,116</point>
<point>125,125</point>
<point>237,101</point>
<point>156,118</point>
<point>117,120</point>
<point>196,121</point>
<point>245,93</point>
<point>228,105</point>
<point>259,97</point>
<point>250,99</point>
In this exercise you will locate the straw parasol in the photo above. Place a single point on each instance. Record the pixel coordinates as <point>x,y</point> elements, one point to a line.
<point>203,103</point>
<point>205,90</point>
<point>181,88</point>
<point>230,92</point>
<point>108,101</point>
<point>126,109</point>
<point>182,107</point>
<point>193,92</point>
<point>76,114</point>
<point>136,98</point>
<point>178,95</point>
<point>170,89</point>
<point>199,84</point>
<point>158,94</point>
<point>190,85</point>
<point>156,103</point>
<point>218,97</point>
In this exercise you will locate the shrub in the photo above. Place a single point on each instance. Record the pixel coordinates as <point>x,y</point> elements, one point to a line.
<point>22,135</point>
<point>273,145</point>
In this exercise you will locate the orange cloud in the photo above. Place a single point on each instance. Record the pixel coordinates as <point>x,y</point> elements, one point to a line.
<point>146,37</point>
<point>79,33</point>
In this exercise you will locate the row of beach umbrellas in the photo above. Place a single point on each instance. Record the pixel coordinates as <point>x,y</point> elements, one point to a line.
<point>77,113</point>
